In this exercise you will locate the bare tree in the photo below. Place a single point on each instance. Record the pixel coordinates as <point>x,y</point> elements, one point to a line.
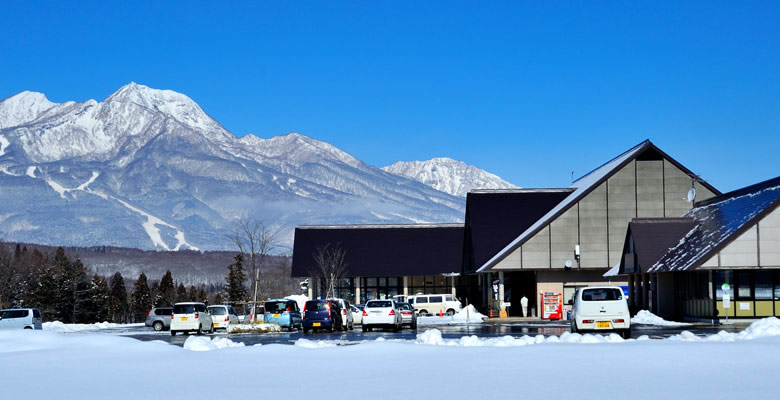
<point>330,266</point>
<point>255,241</point>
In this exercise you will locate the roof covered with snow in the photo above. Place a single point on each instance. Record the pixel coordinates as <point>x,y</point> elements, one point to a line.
<point>719,221</point>
<point>582,187</point>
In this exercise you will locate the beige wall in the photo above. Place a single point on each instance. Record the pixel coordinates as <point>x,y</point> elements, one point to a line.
<point>759,246</point>
<point>598,222</point>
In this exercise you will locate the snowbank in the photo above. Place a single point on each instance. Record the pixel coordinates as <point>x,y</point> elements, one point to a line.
<point>200,343</point>
<point>246,328</point>
<point>301,299</point>
<point>762,328</point>
<point>433,337</point>
<point>315,344</point>
<point>467,315</point>
<point>645,317</point>
<point>58,326</point>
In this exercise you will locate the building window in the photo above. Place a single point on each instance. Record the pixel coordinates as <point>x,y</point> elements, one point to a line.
<point>763,285</point>
<point>743,285</point>
<point>777,284</point>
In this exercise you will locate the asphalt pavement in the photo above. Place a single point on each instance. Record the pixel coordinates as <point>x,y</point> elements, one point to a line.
<point>546,328</point>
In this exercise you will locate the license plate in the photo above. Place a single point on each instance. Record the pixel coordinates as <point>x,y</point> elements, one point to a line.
<point>602,324</point>
<point>277,315</point>
<point>315,324</point>
<point>183,318</point>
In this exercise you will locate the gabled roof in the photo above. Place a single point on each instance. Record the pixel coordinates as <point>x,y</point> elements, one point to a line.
<point>719,221</point>
<point>496,217</point>
<point>383,250</point>
<point>652,237</point>
<point>582,187</point>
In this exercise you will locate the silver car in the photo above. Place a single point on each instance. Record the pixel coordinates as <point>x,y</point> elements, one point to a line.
<point>159,318</point>
<point>408,316</point>
<point>20,318</point>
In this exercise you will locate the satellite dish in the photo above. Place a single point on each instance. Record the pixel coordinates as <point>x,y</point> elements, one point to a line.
<point>691,195</point>
<point>567,264</point>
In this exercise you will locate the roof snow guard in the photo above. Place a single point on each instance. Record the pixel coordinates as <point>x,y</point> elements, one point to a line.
<point>719,221</point>
<point>582,187</point>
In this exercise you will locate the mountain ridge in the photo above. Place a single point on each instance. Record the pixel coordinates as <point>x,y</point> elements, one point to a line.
<point>448,175</point>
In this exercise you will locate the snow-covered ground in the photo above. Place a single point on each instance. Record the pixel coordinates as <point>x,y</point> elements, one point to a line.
<point>46,364</point>
<point>58,326</point>
<point>645,317</point>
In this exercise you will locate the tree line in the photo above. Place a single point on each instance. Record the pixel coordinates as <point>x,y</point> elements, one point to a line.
<point>65,291</point>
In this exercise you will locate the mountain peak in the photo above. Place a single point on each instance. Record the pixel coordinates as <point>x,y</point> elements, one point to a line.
<point>22,108</point>
<point>448,175</point>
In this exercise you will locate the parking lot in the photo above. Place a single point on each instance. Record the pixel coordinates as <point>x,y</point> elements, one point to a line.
<point>546,328</point>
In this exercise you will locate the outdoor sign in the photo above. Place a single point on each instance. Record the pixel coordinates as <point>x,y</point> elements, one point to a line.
<point>726,295</point>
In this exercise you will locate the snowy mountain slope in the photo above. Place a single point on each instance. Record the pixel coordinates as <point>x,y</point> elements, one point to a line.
<point>447,175</point>
<point>150,169</point>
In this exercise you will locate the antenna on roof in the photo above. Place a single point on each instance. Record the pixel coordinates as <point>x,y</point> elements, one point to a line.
<point>572,176</point>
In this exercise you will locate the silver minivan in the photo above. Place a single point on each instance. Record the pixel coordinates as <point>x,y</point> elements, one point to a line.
<point>21,318</point>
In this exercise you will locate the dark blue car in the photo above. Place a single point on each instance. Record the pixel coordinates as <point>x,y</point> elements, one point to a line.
<point>321,314</point>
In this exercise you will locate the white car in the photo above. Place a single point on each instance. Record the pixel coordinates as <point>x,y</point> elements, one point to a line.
<point>357,315</point>
<point>191,317</point>
<point>223,316</point>
<point>601,309</point>
<point>20,318</point>
<point>347,320</point>
<point>381,313</point>
<point>435,304</point>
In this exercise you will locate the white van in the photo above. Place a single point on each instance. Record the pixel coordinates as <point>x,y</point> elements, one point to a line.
<point>191,317</point>
<point>435,304</point>
<point>601,308</point>
<point>20,318</point>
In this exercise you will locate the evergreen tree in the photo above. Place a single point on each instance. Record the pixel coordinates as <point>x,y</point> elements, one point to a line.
<point>202,296</point>
<point>218,298</point>
<point>236,291</point>
<point>82,295</point>
<point>181,293</point>
<point>154,291</point>
<point>97,308</point>
<point>118,301</point>
<point>192,294</point>
<point>141,298</point>
<point>72,286</point>
<point>167,294</point>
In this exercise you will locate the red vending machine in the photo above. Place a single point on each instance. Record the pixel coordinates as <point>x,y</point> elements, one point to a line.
<point>552,305</point>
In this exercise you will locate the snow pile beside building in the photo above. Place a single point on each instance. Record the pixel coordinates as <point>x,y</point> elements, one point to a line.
<point>467,315</point>
<point>762,328</point>
<point>200,343</point>
<point>645,317</point>
<point>58,326</point>
<point>301,299</point>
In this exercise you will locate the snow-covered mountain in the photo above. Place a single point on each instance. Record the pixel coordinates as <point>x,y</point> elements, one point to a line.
<point>447,175</point>
<point>149,169</point>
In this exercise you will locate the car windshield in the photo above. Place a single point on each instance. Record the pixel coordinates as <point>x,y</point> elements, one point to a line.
<point>316,306</point>
<point>404,306</point>
<point>379,304</point>
<point>218,310</point>
<point>276,306</point>
<point>602,294</point>
<point>184,309</point>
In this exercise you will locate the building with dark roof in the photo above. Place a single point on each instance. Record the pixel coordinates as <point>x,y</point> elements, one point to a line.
<point>515,243</point>
<point>676,267</point>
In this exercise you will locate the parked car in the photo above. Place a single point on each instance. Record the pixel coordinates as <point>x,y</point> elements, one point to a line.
<point>191,317</point>
<point>247,317</point>
<point>381,313</point>
<point>435,304</point>
<point>408,316</point>
<point>357,314</point>
<point>21,318</point>
<point>601,309</point>
<point>223,316</point>
<point>347,319</point>
<point>283,312</point>
<point>321,314</point>
<point>159,318</point>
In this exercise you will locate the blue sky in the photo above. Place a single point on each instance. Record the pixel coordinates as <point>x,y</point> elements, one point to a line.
<point>529,91</point>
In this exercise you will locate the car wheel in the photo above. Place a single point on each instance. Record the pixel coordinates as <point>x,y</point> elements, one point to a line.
<point>330,328</point>
<point>450,312</point>
<point>173,333</point>
<point>352,327</point>
<point>626,333</point>
<point>423,312</point>
<point>573,327</point>
<point>305,330</point>
<point>212,328</point>
<point>158,326</point>
<point>28,327</point>
<point>200,330</point>
<point>364,328</point>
